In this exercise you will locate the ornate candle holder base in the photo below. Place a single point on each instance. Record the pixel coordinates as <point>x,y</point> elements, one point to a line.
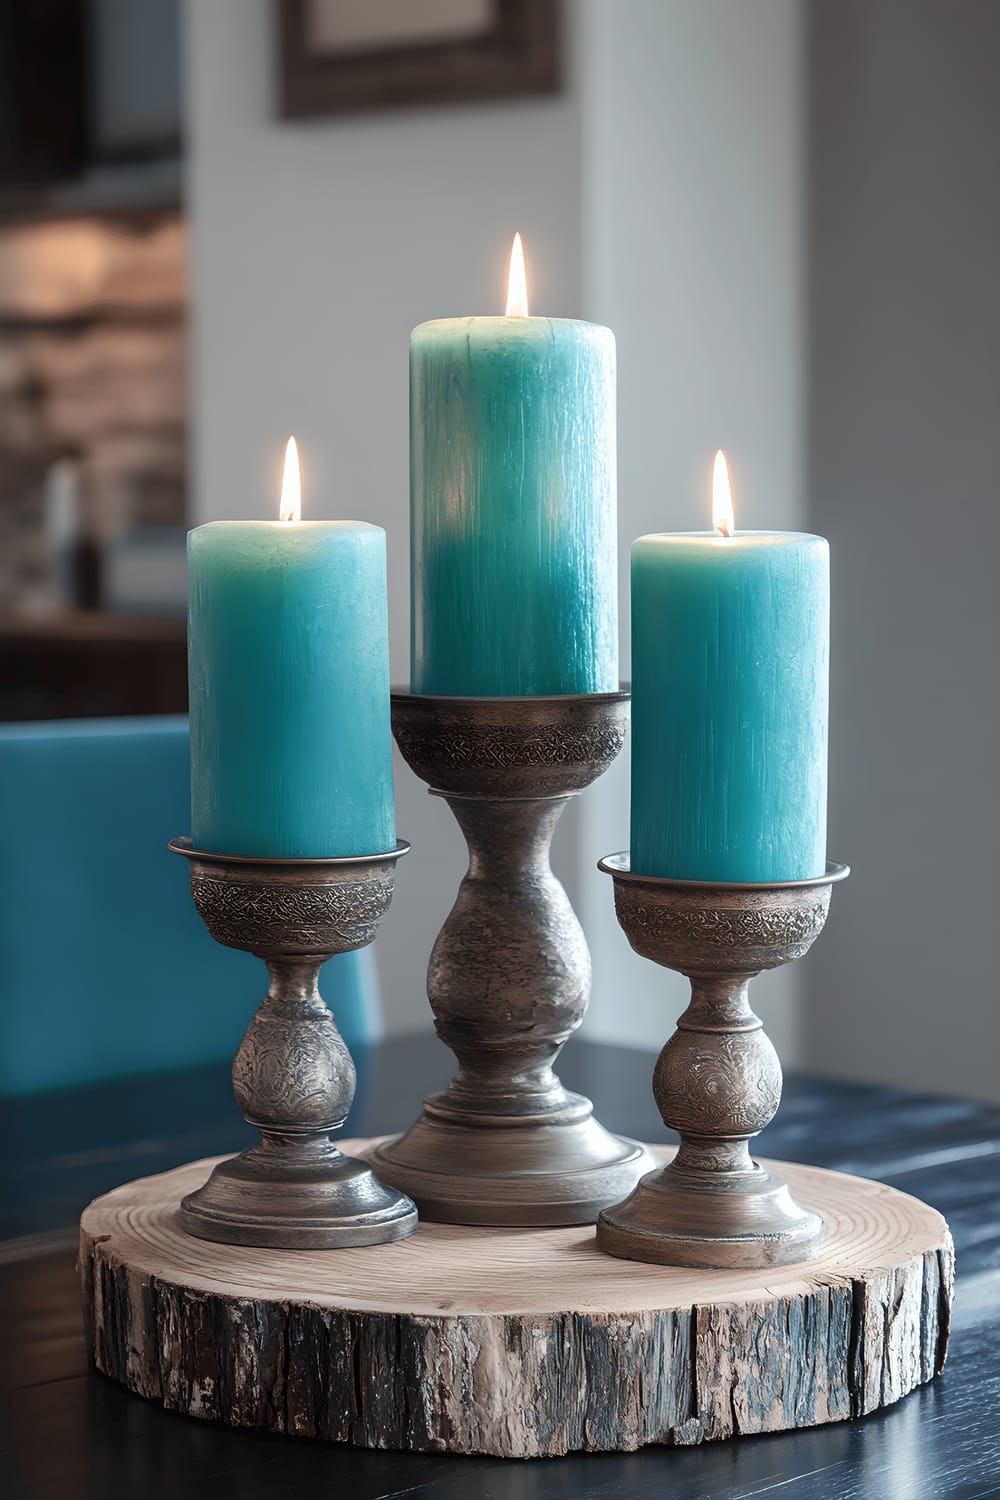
<point>509,976</point>
<point>293,1077</point>
<point>717,1082</point>
<point>557,1168</point>
<point>686,1216</point>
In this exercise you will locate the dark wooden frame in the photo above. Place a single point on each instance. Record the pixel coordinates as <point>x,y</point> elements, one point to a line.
<point>519,55</point>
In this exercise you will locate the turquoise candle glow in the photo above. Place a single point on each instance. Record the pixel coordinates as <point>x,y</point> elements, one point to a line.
<point>288,664</point>
<point>729,706</point>
<point>513,507</point>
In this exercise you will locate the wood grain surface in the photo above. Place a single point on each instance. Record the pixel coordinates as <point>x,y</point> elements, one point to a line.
<point>521,1342</point>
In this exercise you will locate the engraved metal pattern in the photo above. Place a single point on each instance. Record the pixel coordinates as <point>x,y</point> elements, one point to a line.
<point>526,986</point>
<point>777,927</point>
<point>505,746</point>
<point>509,974</point>
<point>293,1076</point>
<point>527,747</point>
<point>293,1067</point>
<point>310,918</point>
<point>717,932</point>
<point>718,1079</point>
<point>712,1085</point>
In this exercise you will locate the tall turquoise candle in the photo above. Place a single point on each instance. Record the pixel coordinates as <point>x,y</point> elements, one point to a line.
<point>289,689</point>
<point>729,706</point>
<point>513,507</point>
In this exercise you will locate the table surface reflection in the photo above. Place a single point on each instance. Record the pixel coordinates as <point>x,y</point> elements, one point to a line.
<point>66,1431</point>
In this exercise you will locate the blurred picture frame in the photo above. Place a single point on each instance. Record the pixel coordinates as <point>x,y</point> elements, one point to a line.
<point>351,56</point>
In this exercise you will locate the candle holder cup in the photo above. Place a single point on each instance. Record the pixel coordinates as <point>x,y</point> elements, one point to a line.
<point>293,1076</point>
<point>717,1081</point>
<point>509,975</point>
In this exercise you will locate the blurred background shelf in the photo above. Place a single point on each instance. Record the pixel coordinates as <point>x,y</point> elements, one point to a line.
<point>83,664</point>
<point>93,351</point>
<point>778,210</point>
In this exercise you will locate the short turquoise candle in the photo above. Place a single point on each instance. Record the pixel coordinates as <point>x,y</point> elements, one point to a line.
<point>513,507</point>
<point>289,689</point>
<point>729,706</point>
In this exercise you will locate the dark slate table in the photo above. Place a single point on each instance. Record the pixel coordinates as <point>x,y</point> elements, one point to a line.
<point>66,1432</point>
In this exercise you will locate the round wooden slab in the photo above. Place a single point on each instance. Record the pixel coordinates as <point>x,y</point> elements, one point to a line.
<point>515,1342</point>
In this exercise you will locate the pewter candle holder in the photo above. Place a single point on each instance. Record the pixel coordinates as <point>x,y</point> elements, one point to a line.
<point>293,1076</point>
<point>509,975</point>
<point>717,1082</point>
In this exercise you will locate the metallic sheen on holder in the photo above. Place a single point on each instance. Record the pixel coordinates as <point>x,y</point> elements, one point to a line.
<point>509,975</point>
<point>293,1077</point>
<point>717,1082</point>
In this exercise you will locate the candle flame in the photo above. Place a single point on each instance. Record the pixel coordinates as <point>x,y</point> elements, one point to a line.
<point>723,515</point>
<point>517,282</point>
<point>291,484</point>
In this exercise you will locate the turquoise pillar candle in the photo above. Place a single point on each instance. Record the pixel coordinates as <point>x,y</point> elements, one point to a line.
<point>729,706</point>
<point>513,507</point>
<point>289,689</point>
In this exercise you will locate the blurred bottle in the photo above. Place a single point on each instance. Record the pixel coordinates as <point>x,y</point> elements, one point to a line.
<point>50,570</point>
<point>61,505</point>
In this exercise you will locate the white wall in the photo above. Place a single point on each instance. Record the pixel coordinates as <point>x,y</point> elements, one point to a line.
<point>672,160</point>
<point>905,398</point>
<point>316,247</point>
<point>693,235</point>
<point>665,194</point>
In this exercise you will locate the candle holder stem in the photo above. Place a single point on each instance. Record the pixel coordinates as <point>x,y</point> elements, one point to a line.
<point>293,1076</point>
<point>509,975</point>
<point>536,957</point>
<point>717,1081</point>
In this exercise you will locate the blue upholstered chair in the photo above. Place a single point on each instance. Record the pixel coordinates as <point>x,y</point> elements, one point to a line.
<point>105,968</point>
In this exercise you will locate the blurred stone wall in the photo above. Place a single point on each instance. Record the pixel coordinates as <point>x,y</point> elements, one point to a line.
<point>92,391</point>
